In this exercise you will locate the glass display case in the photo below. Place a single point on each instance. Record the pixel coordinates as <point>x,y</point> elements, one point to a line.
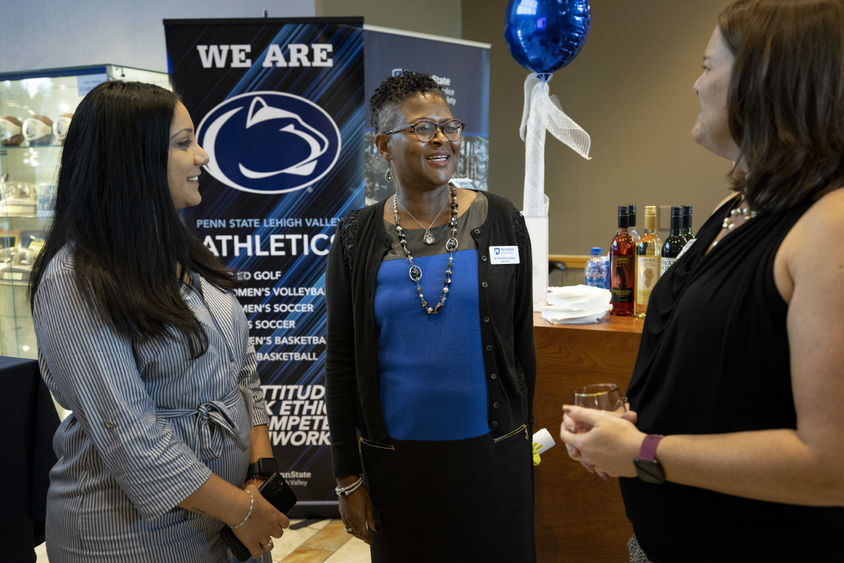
<point>36,109</point>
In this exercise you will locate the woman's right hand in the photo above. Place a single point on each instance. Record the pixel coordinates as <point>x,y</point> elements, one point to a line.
<point>265,523</point>
<point>568,425</point>
<point>610,444</point>
<point>358,514</point>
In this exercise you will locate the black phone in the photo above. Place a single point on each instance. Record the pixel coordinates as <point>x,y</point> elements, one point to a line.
<point>279,494</point>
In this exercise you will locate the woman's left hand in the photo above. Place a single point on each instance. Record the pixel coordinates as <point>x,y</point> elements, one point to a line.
<point>358,514</point>
<point>608,447</point>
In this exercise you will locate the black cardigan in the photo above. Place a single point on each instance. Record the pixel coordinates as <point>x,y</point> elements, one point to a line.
<point>351,367</point>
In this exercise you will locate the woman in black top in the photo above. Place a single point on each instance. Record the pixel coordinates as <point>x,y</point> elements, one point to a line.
<point>741,364</point>
<point>430,378</point>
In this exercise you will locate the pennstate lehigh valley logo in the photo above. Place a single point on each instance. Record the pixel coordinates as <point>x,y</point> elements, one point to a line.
<point>269,142</point>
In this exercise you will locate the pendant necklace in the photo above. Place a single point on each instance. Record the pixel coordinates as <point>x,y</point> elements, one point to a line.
<point>428,236</point>
<point>415,272</point>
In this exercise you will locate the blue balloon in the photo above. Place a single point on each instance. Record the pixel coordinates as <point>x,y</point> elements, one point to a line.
<point>545,35</point>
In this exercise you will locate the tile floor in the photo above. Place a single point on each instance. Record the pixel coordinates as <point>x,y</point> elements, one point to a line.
<point>317,541</point>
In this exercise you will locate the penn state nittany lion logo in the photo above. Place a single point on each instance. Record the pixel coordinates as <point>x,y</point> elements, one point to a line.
<point>269,142</point>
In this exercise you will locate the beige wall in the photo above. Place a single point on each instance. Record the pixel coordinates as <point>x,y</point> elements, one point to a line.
<point>631,89</point>
<point>436,17</point>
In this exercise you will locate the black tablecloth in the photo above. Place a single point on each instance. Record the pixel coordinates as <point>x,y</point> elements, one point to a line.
<point>28,420</point>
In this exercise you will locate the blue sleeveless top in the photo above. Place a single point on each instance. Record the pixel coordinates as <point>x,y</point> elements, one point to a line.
<point>431,370</point>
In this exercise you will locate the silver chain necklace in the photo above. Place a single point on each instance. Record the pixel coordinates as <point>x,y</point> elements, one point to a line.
<point>415,272</point>
<point>428,236</point>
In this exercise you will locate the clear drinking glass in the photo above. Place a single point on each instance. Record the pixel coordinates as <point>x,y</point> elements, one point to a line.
<point>601,396</point>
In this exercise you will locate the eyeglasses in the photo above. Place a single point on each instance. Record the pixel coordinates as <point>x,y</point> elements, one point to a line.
<point>425,129</point>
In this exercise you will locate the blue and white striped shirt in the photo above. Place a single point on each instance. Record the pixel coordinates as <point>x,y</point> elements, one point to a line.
<point>147,428</point>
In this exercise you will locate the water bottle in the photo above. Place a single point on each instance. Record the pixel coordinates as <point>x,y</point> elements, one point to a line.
<point>596,269</point>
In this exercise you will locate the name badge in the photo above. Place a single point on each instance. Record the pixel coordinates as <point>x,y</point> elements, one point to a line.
<point>503,255</point>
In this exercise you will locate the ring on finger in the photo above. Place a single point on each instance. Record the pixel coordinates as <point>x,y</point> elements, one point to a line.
<point>348,529</point>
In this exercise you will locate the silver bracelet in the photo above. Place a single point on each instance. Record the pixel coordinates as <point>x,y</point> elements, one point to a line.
<point>346,491</point>
<point>249,513</point>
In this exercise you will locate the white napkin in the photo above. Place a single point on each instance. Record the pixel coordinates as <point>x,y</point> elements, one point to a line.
<point>576,304</point>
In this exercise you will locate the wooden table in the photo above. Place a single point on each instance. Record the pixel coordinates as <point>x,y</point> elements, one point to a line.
<point>579,517</point>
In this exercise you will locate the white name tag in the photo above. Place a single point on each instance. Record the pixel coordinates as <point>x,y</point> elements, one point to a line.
<point>504,255</point>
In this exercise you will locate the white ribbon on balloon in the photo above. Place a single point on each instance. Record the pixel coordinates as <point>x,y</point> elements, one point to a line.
<point>541,113</point>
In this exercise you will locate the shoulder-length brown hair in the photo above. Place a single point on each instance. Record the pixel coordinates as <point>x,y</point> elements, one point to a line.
<point>786,98</point>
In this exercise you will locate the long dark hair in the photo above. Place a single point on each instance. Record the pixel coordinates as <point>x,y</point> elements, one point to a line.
<point>786,98</point>
<point>113,207</point>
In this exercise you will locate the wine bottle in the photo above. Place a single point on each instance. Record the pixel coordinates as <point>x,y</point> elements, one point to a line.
<point>648,267</point>
<point>622,266</point>
<point>675,241</point>
<point>631,223</point>
<point>686,230</point>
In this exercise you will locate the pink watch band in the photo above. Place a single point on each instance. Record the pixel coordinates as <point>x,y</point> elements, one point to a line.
<point>648,450</point>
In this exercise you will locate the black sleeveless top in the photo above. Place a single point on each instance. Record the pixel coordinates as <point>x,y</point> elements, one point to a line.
<point>714,358</point>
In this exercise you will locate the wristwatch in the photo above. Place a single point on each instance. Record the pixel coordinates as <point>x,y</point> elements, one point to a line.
<point>647,467</point>
<point>262,468</point>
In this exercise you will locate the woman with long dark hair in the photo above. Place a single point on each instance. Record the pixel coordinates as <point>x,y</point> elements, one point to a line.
<point>141,339</point>
<point>739,381</point>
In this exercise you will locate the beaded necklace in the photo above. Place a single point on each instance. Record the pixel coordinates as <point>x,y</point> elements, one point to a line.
<point>415,272</point>
<point>729,221</point>
<point>744,210</point>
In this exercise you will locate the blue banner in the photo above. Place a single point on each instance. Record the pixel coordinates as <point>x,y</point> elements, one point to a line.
<point>279,107</point>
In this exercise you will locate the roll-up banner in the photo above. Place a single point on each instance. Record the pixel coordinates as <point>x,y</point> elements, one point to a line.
<point>280,107</point>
